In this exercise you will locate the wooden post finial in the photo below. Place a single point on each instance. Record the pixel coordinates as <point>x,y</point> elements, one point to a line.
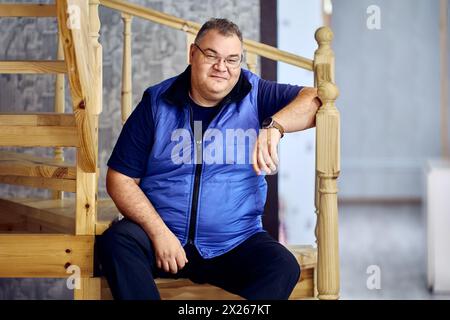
<point>327,91</point>
<point>324,35</point>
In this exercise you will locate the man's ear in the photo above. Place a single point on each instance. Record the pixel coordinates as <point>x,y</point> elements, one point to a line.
<point>191,53</point>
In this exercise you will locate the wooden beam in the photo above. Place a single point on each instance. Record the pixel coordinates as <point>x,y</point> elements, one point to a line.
<point>80,60</point>
<point>90,289</point>
<point>32,67</point>
<point>12,223</point>
<point>38,216</point>
<point>27,10</point>
<point>184,289</point>
<point>21,164</point>
<point>37,119</point>
<point>38,136</point>
<point>41,183</point>
<point>327,168</point>
<point>45,256</point>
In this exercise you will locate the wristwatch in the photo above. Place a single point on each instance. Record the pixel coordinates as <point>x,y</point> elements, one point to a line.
<point>271,123</point>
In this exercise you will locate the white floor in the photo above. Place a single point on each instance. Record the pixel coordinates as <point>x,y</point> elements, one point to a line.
<point>391,238</point>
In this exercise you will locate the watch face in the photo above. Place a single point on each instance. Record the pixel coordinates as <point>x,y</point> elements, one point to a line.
<point>267,122</point>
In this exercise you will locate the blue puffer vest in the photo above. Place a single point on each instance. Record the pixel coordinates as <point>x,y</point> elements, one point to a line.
<point>216,203</point>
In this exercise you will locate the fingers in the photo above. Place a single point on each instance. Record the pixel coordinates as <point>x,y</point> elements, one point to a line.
<point>168,265</point>
<point>184,255</point>
<point>181,262</point>
<point>265,154</point>
<point>173,265</point>
<point>272,145</point>
<point>255,158</point>
<point>263,158</point>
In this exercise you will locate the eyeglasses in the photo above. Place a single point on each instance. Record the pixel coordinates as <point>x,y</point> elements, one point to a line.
<point>213,58</point>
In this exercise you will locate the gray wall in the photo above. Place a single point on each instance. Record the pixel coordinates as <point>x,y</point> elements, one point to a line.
<point>158,52</point>
<point>389,102</point>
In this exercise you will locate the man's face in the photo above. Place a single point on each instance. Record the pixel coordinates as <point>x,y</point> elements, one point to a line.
<point>213,80</point>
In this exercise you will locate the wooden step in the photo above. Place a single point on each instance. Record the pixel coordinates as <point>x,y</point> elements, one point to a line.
<point>27,10</point>
<point>33,66</point>
<point>21,164</point>
<point>58,216</point>
<point>38,130</point>
<point>37,119</point>
<point>45,255</point>
<point>49,215</point>
<point>184,289</point>
<point>36,216</point>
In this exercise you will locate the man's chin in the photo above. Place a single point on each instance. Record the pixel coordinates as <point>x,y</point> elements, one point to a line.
<point>217,90</point>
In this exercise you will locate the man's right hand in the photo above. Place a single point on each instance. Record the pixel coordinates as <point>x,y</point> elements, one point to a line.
<point>169,253</point>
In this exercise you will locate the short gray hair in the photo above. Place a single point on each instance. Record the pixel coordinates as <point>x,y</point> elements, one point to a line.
<point>224,26</point>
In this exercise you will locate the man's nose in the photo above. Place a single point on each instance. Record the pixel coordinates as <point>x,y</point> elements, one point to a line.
<point>220,65</point>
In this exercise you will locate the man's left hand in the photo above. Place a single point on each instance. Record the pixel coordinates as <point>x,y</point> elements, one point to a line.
<point>265,152</point>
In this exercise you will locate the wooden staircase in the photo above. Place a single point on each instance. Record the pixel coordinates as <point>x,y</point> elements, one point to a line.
<point>45,237</point>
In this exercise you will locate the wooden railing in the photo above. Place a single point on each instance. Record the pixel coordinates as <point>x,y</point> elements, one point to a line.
<point>327,118</point>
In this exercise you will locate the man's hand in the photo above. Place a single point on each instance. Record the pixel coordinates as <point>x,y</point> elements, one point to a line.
<point>265,152</point>
<point>169,253</point>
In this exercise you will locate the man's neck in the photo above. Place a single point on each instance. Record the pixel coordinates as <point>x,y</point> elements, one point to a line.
<point>199,100</point>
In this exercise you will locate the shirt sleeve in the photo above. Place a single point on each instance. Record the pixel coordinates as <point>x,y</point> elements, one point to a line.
<point>135,141</point>
<point>273,96</point>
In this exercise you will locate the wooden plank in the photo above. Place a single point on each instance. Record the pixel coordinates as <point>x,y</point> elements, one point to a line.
<point>90,289</point>
<point>306,255</point>
<point>86,204</point>
<point>41,183</point>
<point>11,223</point>
<point>37,119</point>
<point>184,289</point>
<point>59,108</point>
<point>82,78</point>
<point>45,256</point>
<point>27,10</point>
<point>107,211</point>
<point>39,136</point>
<point>305,286</point>
<point>32,67</point>
<point>21,164</point>
<point>39,218</point>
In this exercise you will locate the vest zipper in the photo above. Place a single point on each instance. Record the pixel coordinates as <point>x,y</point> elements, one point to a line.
<point>198,172</point>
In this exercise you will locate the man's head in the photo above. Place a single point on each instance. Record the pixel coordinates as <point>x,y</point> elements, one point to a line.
<point>215,59</point>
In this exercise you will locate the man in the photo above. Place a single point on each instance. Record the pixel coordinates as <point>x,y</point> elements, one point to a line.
<point>188,171</point>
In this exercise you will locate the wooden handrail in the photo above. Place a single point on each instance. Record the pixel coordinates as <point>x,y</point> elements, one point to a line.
<point>187,26</point>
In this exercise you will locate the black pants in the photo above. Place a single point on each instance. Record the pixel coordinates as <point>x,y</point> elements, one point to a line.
<point>259,268</point>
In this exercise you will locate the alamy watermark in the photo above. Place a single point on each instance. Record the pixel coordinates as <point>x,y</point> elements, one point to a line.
<point>373,21</point>
<point>235,147</point>
<point>374,279</point>
<point>73,281</point>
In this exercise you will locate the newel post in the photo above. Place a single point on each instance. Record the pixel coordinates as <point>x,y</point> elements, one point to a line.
<point>327,168</point>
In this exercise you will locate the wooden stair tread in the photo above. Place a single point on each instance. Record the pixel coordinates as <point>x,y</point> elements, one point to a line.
<point>21,164</point>
<point>37,119</point>
<point>107,212</point>
<point>62,211</point>
<point>48,129</point>
<point>33,66</point>
<point>27,10</point>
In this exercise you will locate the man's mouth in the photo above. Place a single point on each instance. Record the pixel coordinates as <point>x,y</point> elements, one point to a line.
<point>218,77</point>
